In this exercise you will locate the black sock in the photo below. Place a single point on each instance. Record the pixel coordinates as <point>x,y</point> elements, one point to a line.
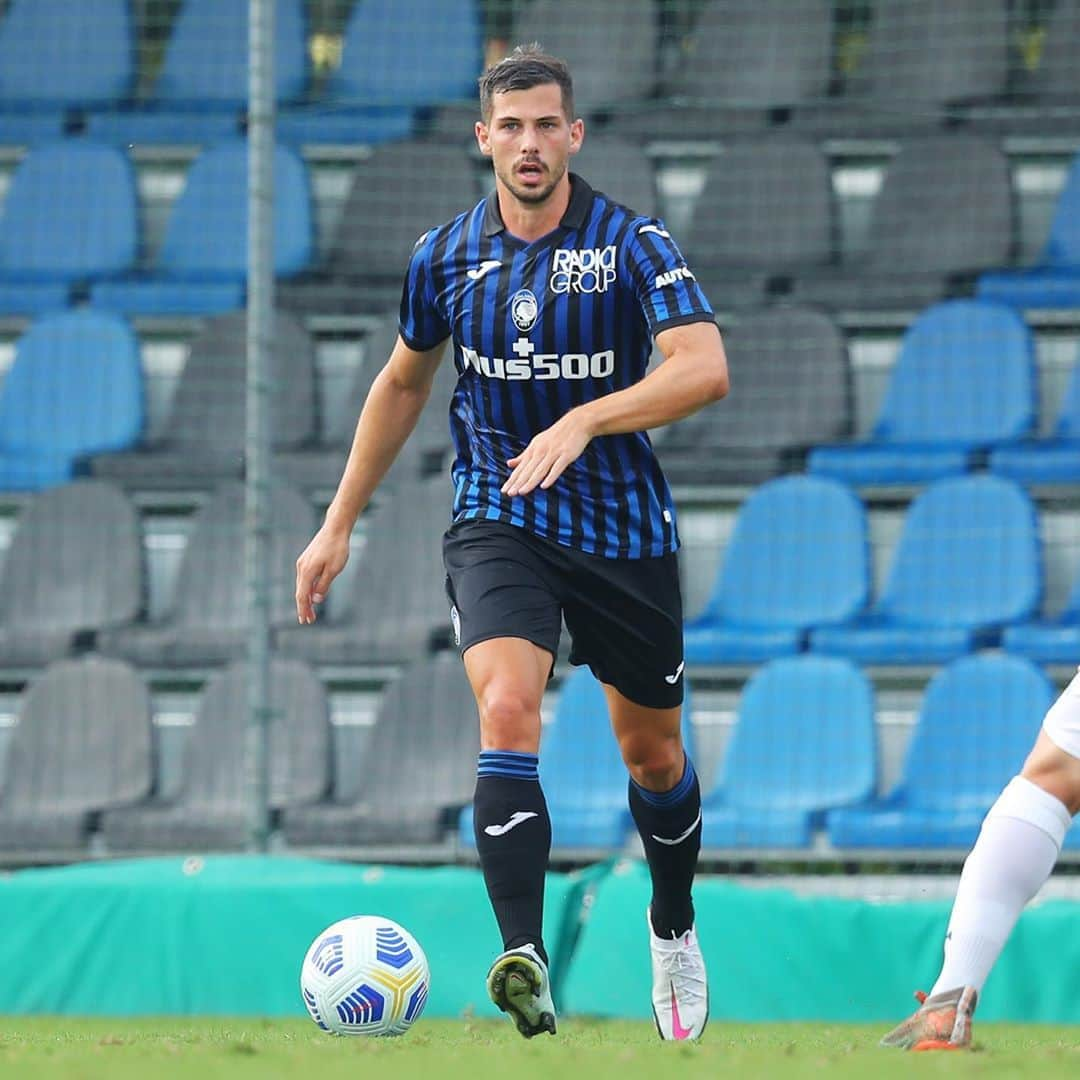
<point>662,817</point>
<point>513,838</point>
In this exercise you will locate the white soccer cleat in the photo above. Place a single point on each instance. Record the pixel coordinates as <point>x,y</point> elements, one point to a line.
<point>518,984</point>
<point>680,990</point>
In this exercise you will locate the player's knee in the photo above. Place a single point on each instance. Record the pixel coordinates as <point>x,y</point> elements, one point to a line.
<point>1060,776</point>
<point>1053,769</point>
<point>654,761</point>
<point>509,719</point>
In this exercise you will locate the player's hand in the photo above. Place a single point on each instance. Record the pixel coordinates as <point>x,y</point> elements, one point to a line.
<point>546,457</point>
<point>322,560</point>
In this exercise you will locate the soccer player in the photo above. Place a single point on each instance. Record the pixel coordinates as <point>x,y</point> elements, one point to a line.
<point>1013,856</point>
<point>551,294</point>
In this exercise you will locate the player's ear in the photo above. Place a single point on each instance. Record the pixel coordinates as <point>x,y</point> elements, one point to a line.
<point>482,139</point>
<point>577,135</point>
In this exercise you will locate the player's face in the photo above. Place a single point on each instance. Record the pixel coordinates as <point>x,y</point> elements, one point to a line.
<point>529,140</point>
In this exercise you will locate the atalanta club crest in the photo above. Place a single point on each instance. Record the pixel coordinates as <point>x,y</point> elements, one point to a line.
<point>524,310</point>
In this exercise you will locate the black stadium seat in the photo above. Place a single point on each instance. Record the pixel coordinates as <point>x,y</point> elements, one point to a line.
<point>213,808</point>
<point>82,744</point>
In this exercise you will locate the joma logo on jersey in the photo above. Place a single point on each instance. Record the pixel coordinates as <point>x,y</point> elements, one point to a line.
<point>530,365</point>
<point>669,277</point>
<point>586,270</point>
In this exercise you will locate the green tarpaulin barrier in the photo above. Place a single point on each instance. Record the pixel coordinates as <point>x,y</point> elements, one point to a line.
<point>774,955</point>
<point>226,935</point>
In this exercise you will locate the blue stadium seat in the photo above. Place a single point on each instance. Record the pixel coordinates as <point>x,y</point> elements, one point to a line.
<point>1055,460</point>
<point>1054,282</point>
<point>582,771</point>
<point>967,564</point>
<point>201,268</point>
<point>56,56</point>
<point>798,557</point>
<point>1053,640</point>
<point>75,389</point>
<point>978,721</point>
<point>931,424</point>
<point>70,216</point>
<point>804,742</point>
<point>202,92</point>
<point>397,56</point>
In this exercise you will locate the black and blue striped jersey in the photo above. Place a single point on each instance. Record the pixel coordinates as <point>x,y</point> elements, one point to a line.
<point>537,329</point>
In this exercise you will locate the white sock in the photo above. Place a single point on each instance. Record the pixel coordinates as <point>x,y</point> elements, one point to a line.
<point>1016,850</point>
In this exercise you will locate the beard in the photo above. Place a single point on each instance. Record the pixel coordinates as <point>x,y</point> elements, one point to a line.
<point>532,196</point>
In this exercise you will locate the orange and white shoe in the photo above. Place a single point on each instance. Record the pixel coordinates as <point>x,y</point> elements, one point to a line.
<point>942,1022</point>
<point>680,992</point>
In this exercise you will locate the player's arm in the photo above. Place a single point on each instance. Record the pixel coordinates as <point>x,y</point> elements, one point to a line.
<point>694,374</point>
<point>390,413</point>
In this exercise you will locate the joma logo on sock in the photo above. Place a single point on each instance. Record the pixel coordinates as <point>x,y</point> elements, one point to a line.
<point>516,818</point>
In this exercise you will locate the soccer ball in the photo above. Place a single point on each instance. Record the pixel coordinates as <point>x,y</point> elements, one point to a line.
<point>365,975</point>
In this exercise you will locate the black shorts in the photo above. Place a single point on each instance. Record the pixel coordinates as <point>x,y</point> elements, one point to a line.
<point>624,615</point>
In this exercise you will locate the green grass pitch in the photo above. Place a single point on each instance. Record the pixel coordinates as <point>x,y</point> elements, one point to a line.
<point>446,1050</point>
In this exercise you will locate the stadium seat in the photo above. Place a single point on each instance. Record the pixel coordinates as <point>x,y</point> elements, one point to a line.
<point>318,467</point>
<point>582,771</point>
<point>931,425</point>
<point>1054,82</point>
<point>967,564</point>
<point>397,57</point>
<point>798,557</point>
<point>789,366</point>
<point>776,57</point>
<point>1055,460</point>
<point>369,254</point>
<point>804,742</point>
<point>926,62</point>
<point>616,166</point>
<point>395,608</point>
<point>56,57</point>
<point>81,744</point>
<point>75,389</point>
<point>1049,640</point>
<point>70,216</point>
<point>943,214</point>
<point>213,808</point>
<point>764,218</point>
<point>207,620</point>
<point>74,568</point>
<point>1054,281</point>
<point>418,768</point>
<point>613,61</point>
<point>1046,100</point>
<point>202,266</point>
<point>978,721</point>
<point>202,441</point>
<point>201,94</point>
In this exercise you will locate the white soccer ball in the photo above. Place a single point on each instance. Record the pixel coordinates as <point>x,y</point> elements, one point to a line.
<point>365,975</point>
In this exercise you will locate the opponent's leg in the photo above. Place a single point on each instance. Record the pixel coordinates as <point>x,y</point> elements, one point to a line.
<point>1015,853</point>
<point>665,801</point>
<point>513,830</point>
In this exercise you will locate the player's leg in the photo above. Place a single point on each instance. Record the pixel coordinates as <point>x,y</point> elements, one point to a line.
<point>513,831</point>
<point>511,823</point>
<point>665,801</point>
<point>507,623</point>
<point>625,617</point>
<point>1013,856</point>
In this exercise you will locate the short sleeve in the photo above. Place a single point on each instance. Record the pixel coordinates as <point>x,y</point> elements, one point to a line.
<point>420,322</point>
<point>665,286</point>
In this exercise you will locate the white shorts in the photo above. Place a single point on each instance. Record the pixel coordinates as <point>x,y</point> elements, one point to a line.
<point>1062,723</point>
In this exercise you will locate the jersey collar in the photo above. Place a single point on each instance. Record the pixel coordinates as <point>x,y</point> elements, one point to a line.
<point>577,209</point>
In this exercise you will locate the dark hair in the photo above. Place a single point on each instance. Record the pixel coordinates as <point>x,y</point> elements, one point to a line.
<point>527,66</point>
